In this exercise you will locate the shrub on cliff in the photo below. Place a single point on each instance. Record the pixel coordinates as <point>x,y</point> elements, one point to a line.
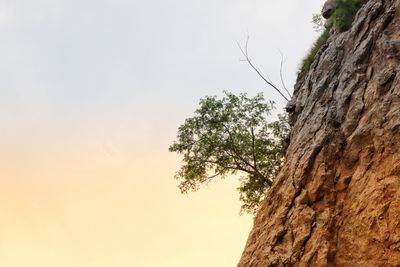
<point>342,18</point>
<point>344,13</point>
<point>228,136</point>
<point>309,59</point>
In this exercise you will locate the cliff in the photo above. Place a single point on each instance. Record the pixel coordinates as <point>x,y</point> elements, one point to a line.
<point>336,201</point>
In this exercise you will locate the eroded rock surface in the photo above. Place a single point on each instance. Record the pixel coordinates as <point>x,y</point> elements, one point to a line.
<point>336,201</point>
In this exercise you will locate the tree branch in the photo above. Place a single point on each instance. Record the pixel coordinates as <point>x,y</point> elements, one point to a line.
<point>247,59</point>
<point>281,75</point>
<point>255,171</point>
<point>212,176</point>
<point>253,146</point>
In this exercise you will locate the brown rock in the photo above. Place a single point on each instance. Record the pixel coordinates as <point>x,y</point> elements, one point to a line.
<point>336,201</point>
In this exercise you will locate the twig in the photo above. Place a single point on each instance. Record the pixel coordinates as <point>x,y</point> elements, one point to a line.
<point>281,74</point>
<point>247,59</point>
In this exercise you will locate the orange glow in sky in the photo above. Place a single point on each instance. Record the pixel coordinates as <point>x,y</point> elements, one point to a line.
<point>86,206</point>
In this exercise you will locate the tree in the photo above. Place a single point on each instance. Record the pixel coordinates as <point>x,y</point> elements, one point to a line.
<point>231,135</point>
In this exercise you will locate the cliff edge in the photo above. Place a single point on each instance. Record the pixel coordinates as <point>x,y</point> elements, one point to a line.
<point>336,201</point>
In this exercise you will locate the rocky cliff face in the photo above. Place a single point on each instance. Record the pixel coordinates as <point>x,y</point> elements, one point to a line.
<point>336,201</point>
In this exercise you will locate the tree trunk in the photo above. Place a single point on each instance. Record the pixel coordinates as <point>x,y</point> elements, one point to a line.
<point>336,201</point>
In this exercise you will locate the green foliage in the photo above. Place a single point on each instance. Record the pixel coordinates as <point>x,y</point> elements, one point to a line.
<point>342,18</point>
<point>345,10</point>
<point>252,189</point>
<point>309,59</point>
<point>230,136</point>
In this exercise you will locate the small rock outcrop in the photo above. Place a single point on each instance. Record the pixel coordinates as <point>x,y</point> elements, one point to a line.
<point>328,9</point>
<point>336,201</point>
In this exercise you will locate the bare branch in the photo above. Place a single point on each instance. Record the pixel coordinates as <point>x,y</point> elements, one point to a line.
<point>281,74</point>
<point>247,44</point>
<point>247,59</point>
<point>268,78</point>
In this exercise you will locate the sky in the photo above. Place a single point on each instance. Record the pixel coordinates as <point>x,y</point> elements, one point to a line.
<point>91,96</point>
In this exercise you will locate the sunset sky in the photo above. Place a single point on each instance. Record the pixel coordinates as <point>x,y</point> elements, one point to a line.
<point>91,95</point>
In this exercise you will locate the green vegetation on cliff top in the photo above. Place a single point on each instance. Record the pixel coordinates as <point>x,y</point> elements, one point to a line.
<point>342,19</point>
